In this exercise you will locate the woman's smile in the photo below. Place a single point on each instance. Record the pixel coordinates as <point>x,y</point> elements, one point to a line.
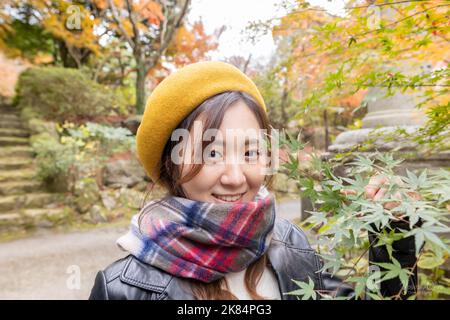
<point>227,198</point>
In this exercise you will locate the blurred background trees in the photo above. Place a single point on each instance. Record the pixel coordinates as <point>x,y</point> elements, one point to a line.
<point>112,40</point>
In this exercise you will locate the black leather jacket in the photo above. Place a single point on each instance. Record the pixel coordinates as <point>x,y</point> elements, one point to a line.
<point>290,257</point>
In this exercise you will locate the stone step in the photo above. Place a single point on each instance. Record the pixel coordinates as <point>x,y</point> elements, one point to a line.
<point>11,124</point>
<point>26,218</point>
<point>19,187</point>
<point>10,112</point>
<point>17,151</point>
<point>8,107</point>
<point>13,141</point>
<point>13,132</point>
<point>39,212</point>
<point>12,163</point>
<point>30,200</point>
<point>17,175</point>
<point>11,221</point>
<point>7,116</point>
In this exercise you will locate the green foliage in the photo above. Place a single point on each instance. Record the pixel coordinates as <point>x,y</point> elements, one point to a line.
<point>65,94</point>
<point>391,46</point>
<point>80,151</point>
<point>92,137</point>
<point>277,92</point>
<point>28,39</point>
<point>306,290</point>
<point>54,159</point>
<point>343,216</point>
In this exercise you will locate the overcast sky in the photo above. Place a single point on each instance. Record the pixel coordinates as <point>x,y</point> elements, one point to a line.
<point>236,14</point>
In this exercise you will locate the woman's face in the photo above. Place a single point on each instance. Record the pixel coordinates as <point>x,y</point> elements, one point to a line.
<point>233,171</point>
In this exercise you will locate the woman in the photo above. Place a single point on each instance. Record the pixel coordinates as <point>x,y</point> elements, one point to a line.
<point>215,235</point>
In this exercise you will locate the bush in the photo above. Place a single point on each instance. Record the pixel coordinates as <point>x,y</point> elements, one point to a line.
<point>96,140</point>
<point>65,94</point>
<point>75,151</point>
<point>54,160</point>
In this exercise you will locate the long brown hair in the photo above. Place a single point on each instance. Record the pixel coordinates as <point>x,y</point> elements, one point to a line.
<point>212,111</point>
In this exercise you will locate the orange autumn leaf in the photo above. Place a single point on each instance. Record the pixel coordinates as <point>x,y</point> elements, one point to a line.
<point>150,11</point>
<point>191,45</point>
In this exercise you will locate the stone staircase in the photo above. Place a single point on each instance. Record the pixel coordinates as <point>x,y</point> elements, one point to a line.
<point>24,202</point>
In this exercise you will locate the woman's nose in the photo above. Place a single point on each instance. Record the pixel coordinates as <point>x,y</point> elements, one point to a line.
<point>233,175</point>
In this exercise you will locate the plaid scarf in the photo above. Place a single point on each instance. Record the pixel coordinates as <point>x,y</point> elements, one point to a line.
<point>201,240</point>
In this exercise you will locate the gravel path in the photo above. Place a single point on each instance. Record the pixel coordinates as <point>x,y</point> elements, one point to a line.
<point>64,265</point>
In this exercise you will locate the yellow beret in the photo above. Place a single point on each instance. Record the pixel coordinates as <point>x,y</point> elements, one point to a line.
<point>176,97</point>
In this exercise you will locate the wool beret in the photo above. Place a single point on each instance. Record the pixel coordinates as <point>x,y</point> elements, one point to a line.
<point>176,97</point>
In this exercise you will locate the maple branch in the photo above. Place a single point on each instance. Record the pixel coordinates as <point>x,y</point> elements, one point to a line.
<point>133,24</point>
<point>166,33</point>
<point>388,4</point>
<point>348,8</point>
<point>403,19</point>
<point>367,6</point>
<point>347,276</point>
<point>119,24</point>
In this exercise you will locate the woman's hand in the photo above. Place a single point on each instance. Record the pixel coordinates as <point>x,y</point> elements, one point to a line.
<point>376,189</point>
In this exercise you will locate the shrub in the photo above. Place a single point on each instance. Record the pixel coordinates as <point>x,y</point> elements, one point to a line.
<point>65,94</point>
<point>104,140</point>
<point>54,159</point>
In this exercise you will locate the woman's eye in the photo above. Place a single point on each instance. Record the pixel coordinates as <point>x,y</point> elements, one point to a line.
<point>251,153</point>
<point>215,154</point>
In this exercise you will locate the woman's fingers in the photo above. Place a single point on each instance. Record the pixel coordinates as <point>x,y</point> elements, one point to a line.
<point>376,189</point>
<point>348,192</point>
<point>392,204</point>
<point>379,194</point>
<point>374,185</point>
<point>414,195</point>
<point>283,156</point>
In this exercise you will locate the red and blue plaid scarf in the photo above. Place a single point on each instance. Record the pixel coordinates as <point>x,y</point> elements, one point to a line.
<point>201,240</point>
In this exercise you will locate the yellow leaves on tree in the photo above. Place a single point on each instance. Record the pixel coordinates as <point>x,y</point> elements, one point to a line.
<point>332,56</point>
<point>74,25</point>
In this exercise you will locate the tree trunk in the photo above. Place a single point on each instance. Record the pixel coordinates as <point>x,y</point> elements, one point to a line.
<point>72,57</point>
<point>66,58</point>
<point>140,87</point>
<point>325,124</point>
<point>284,100</point>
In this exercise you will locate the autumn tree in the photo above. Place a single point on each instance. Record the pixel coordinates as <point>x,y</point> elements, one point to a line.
<point>148,27</point>
<point>190,44</point>
<point>295,69</point>
<point>113,39</point>
<point>63,29</point>
<point>368,46</point>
